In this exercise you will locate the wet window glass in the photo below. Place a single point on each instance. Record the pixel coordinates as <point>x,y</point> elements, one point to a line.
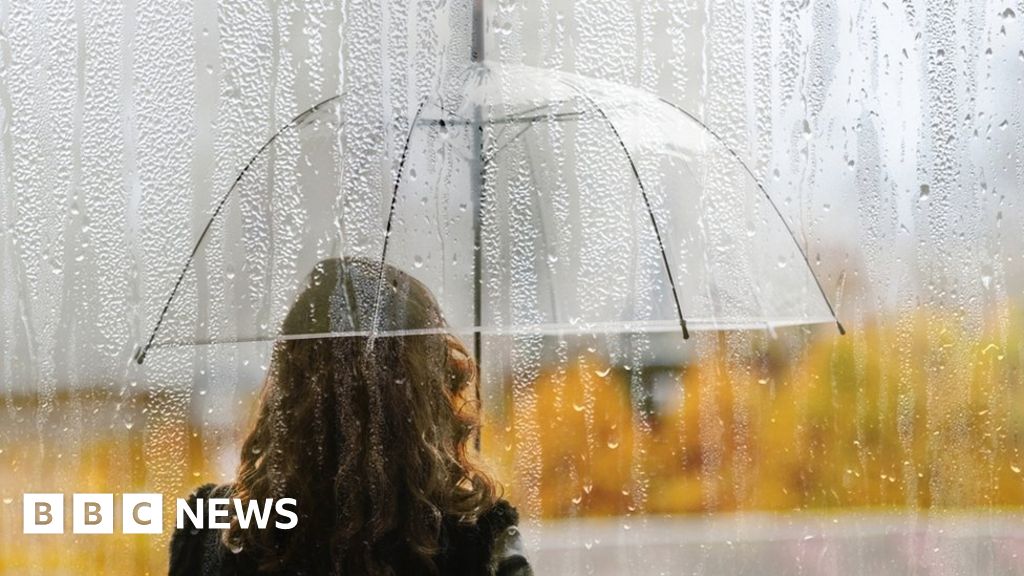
<point>696,287</point>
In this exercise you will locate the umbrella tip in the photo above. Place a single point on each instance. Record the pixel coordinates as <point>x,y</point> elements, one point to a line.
<point>686,333</point>
<point>842,331</point>
<point>139,355</point>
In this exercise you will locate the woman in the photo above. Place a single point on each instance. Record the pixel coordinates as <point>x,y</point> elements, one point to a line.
<point>371,437</point>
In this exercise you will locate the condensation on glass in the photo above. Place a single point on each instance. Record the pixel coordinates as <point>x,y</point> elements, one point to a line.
<point>887,139</point>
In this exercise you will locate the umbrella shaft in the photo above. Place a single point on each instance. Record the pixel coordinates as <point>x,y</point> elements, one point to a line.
<point>477,191</point>
<point>477,49</point>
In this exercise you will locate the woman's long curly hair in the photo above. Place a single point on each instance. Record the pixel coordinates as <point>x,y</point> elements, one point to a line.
<point>370,435</point>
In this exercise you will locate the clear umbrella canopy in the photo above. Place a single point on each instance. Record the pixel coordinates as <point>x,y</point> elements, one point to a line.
<point>526,200</point>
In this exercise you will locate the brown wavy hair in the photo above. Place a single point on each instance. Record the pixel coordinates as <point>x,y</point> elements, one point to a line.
<point>371,436</point>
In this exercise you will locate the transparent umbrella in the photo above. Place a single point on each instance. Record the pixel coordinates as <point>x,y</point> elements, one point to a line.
<point>526,200</point>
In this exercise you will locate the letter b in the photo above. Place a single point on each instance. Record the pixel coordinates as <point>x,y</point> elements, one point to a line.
<point>43,514</point>
<point>92,513</point>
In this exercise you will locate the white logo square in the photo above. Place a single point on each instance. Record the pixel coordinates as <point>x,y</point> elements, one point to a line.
<point>142,513</point>
<point>92,513</point>
<point>43,513</point>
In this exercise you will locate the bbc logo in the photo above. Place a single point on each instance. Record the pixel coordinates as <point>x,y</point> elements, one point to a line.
<point>92,513</point>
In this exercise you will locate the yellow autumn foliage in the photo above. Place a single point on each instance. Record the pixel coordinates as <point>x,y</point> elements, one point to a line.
<point>923,412</point>
<point>926,412</point>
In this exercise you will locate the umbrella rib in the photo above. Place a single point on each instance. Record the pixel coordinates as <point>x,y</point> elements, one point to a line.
<point>140,355</point>
<point>511,140</point>
<point>647,203</point>
<point>391,212</point>
<point>508,119</point>
<point>789,230</point>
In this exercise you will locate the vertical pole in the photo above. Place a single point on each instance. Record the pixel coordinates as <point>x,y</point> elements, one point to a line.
<point>476,170</point>
<point>477,53</point>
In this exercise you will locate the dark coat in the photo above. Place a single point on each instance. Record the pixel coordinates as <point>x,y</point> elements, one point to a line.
<point>492,546</point>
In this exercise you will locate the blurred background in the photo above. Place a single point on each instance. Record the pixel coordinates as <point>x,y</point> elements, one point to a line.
<point>890,134</point>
